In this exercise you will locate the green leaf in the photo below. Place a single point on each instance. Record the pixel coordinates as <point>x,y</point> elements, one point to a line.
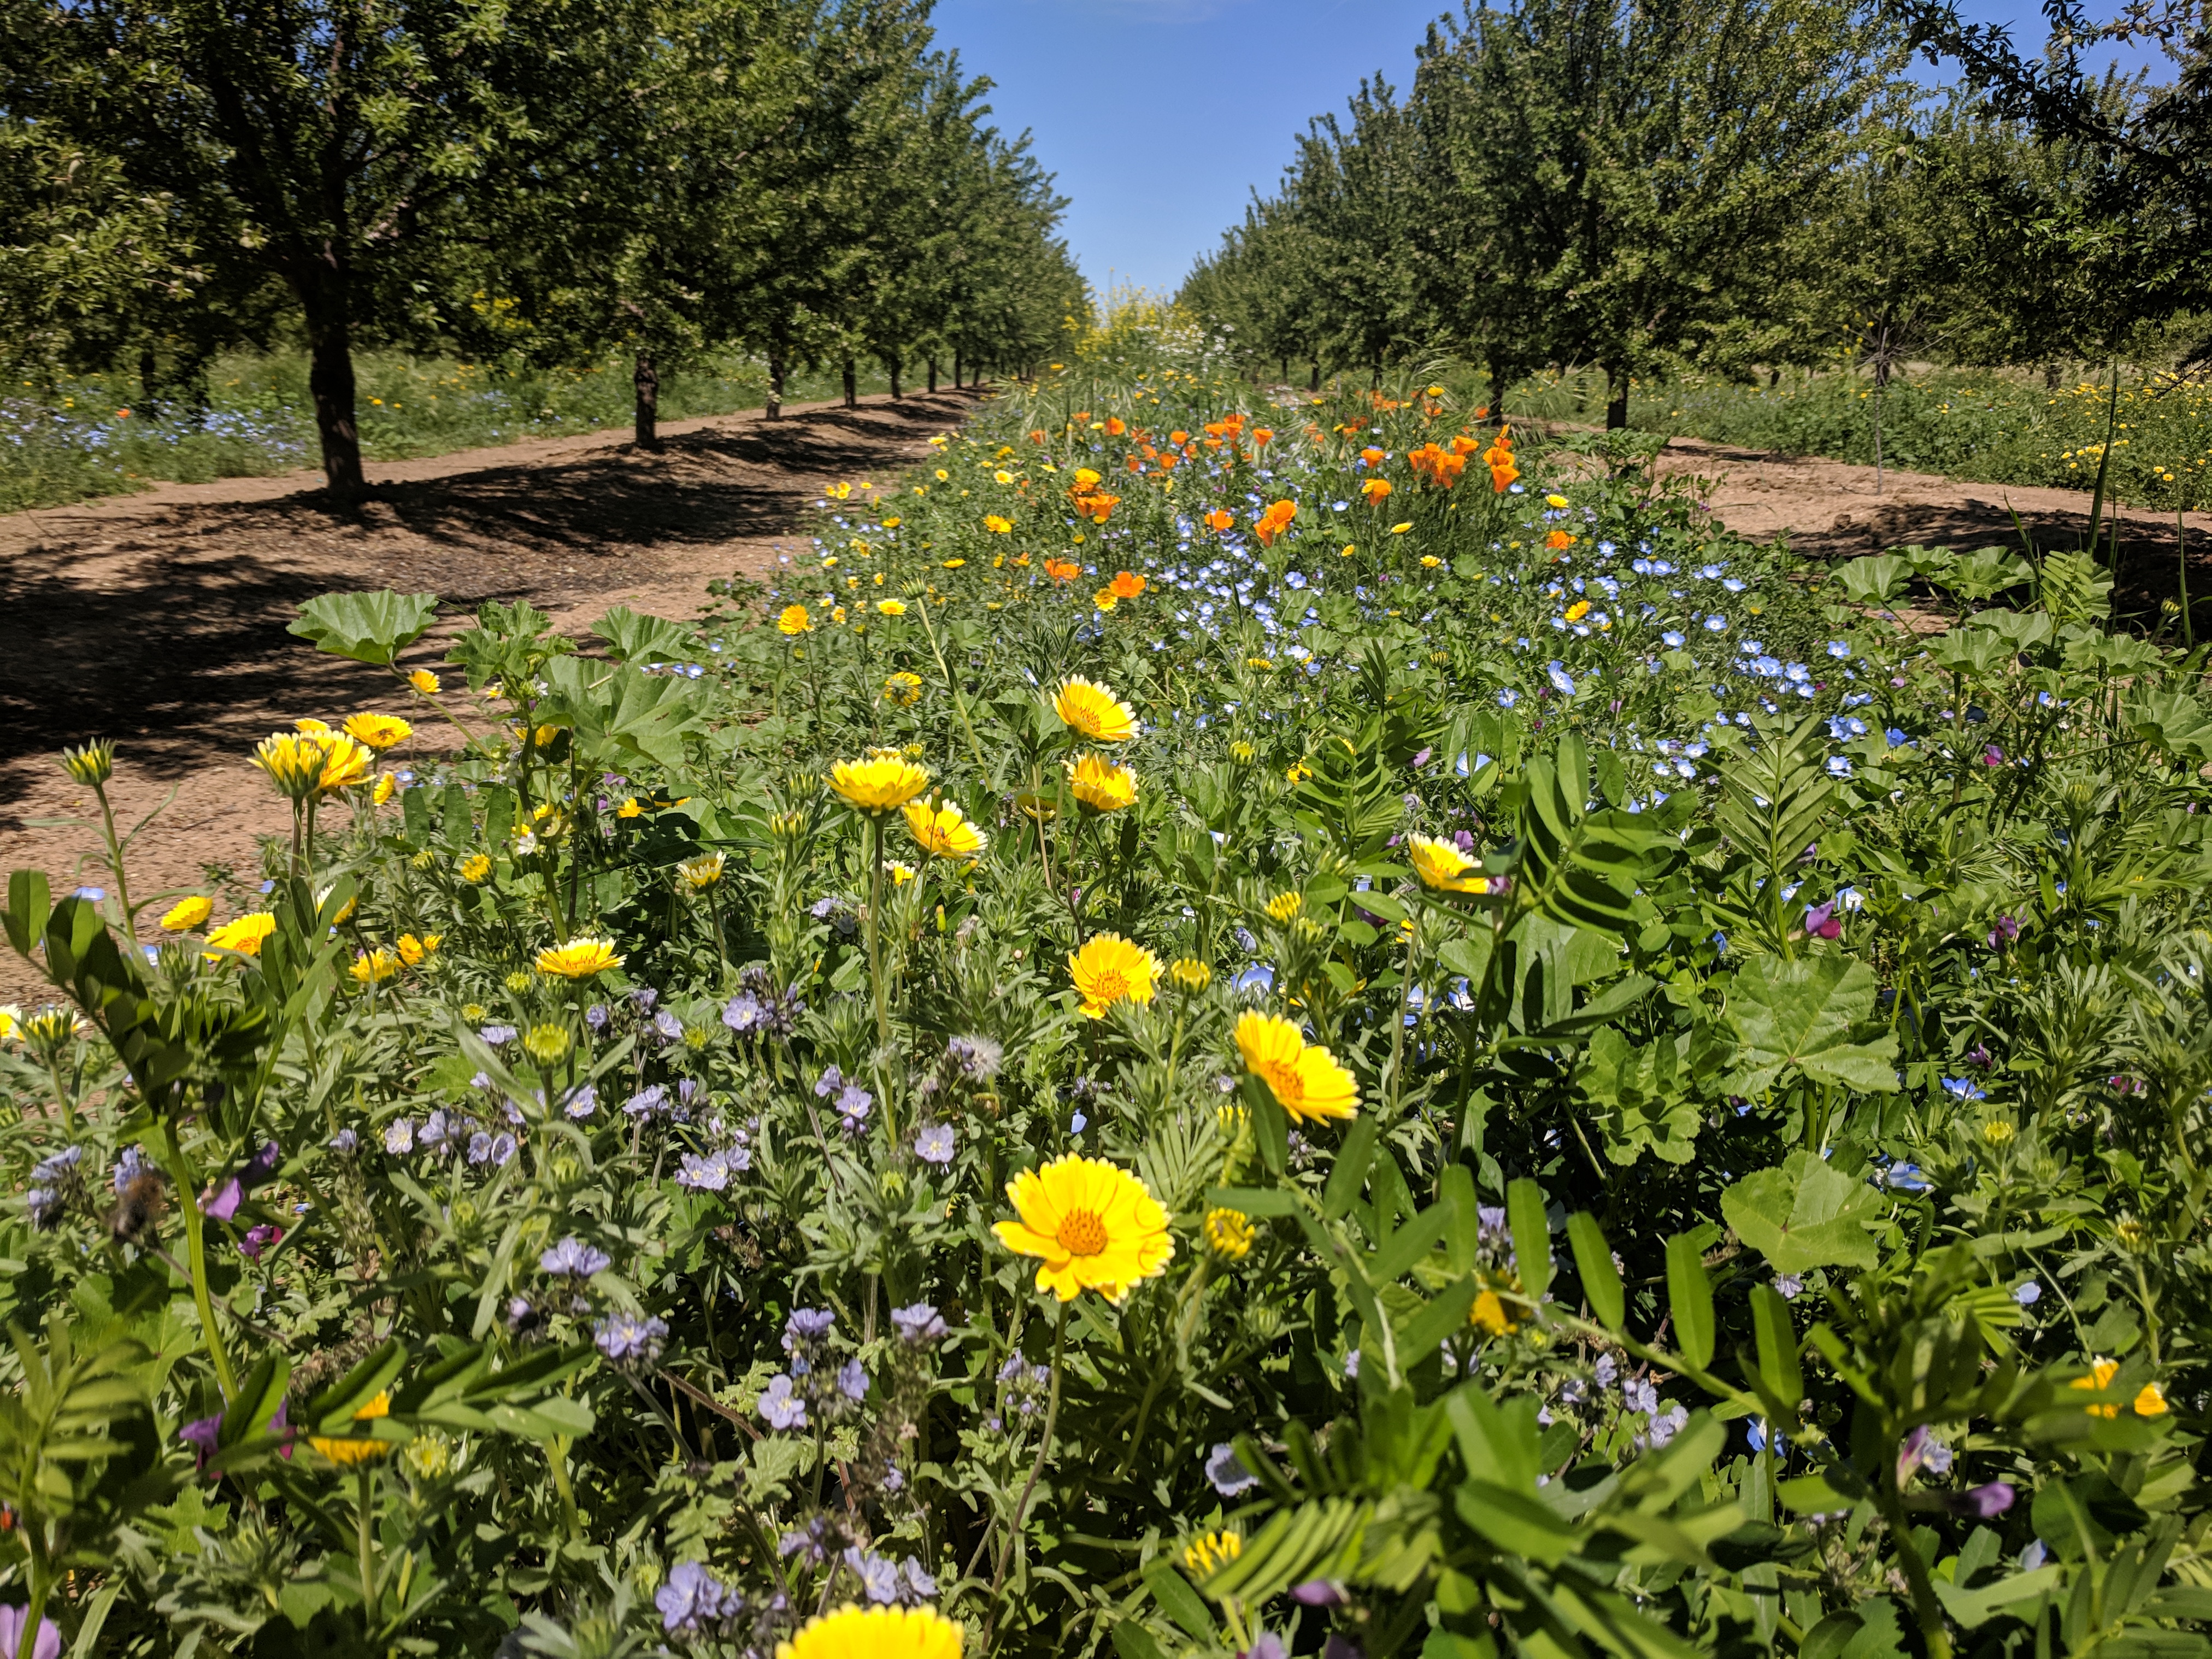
<point>1593,1262</point>
<point>1349,1174</point>
<point>371,628</point>
<point>620,711</point>
<point>1532,1237</point>
<point>1643,1096</point>
<point>1876,582</point>
<point>2074,588</point>
<point>1799,1017</point>
<point>1690,1297</point>
<point>1178,1599</point>
<point>634,637</point>
<point>1778,1367</point>
<point>332,1412</point>
<point>1804,1214</point>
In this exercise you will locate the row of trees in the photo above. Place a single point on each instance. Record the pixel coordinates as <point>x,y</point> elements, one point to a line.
<point>809,181</point>
<point>1639,184</point>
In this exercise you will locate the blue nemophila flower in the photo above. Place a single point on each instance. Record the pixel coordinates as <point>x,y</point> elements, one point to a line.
<point>1903,1178</point>
<point>1963,1088</point>
<point>571,1258</point>
<point>622,1336</point>
<point>1673,640</point>
<point>1838,648</point>
<point>1227,1472</point>
<point>2029,1294</point>
<point>1838,767</point>
<point>1896,737</point>
<point>1716,624</point>
<point>1507,697</point>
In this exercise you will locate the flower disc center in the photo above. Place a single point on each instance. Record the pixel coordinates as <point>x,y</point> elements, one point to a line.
<point>1082,1233</point>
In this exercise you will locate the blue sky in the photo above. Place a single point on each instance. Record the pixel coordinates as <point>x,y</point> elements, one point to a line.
<point>1160,116</point>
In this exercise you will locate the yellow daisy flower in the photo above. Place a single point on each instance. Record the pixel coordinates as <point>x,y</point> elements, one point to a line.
<point>793,621</point>
<point>187,913</point>
<point>361,1450</point>
<point>1101,785</point>
<point>1095,712</point>
<point>1228,1234</point>
<point>852,1633</point>
<point>580,958</point>
<point>244,935</point>
<point>416,952</point>
<point>886,780</point>
<point>425,682</point>
<point>1304,1077</point>
<point>1109,969</point>
<point>1441,866</point>
<point>375,967</point>
<point>1093,1224</point>
<point>379,732</point>
<point>475,868</point>
<point>944,830</point>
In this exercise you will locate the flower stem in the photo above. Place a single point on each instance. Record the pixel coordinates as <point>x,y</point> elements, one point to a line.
<point>365,1545</point>
<point>173,1160</point>
<point>1036,1468</point>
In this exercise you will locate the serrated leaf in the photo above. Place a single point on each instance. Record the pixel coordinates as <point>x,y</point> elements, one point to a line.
<point>371,628</point>
<point>1799,1017</point>
<point>1804,1214</point>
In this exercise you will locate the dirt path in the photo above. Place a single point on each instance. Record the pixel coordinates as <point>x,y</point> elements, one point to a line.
<point>159,619</point>
<point>1832,510</point>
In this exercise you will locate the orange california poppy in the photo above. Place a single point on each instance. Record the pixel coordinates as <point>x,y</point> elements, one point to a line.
<point>1261,437</point>
<point>1116,426</point>
<point>1080,416</point>
<point>1558,541</point>
<point>1178,438</point>
<point>1218,521</point>
<point>1062,570</point>
<point>1371,455</point>
<point>1374,489</point>
<point>1126,584</point>
<point>1037,436</point>
<point>1274,521</point>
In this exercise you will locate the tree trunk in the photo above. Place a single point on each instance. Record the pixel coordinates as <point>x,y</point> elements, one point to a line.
<point>2051,377</point>
<point>956,368</point>
<point>774,410</point>
<point>932,376</point>
<point>1616,398</point>
<point>1497,394</point>
<point>149,379</point>
<point>1315,383</point>
<point>891,368</point>
<point>852,386</point>
<point>646,381</point>
<point>330,383</point>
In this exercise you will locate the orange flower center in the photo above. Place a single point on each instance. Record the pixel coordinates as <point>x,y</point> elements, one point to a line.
<point>1082,1233</point>
<point>1283,1077</point>
<point>1108,986</point>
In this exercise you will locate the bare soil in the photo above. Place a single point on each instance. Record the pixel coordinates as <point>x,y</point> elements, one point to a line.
<point>159,619</point>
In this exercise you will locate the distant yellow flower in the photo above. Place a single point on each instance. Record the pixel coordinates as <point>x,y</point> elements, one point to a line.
<point>891,607</point>
<point>375,967</point>
<point>1002,477</point>
<point>1304,1077</point>
<point>1555,501</point>
<point>187,913</point>
<point>1095,712</point>
<point>308,726</point>
<point>943,830</point>
<point>361,1450</point>
<point>1228,1234</point>
<point>794,620</point>
<point>244,935</point>
<point>416,952</point>
<point>701,872</point>
<point>997,525</point>
<point>2150,1401</point>
<point>1212,1550</point>
<point>1285,907</point>
<point>1396,530</point>
<point>1441,866</point>
<point>1489,1313</point>
<point>1430,562</point>
<point>903,688</point>
<point>1190,975</point>
<point>1577,611</point>
<point>580,958</point>
<point>1101,785</point>
<point>1094,1226</point>
<point>11,1021</point>
<point>1109,969</point>
<point>629,809</point>
<point>2101,1373</point>
<point>900,874</point>
<point>1105,598</point>
<point>854,1632</point>
<point>387,785</point>
<point>425,682</point>
<point>475,868</point>
<point>379,732</point>
<point>883,781</point>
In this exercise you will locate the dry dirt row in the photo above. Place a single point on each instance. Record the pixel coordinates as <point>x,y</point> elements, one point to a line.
<point>159,619</point>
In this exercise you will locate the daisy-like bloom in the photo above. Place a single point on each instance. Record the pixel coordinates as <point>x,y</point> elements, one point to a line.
<point>1188,974</point>
<point>363,1450</point>
<point>794,620</point>
<point>886,780</point>
<point>701,872</point>
<point>997,525</point>
<point>2101,1373</point>
<point>1441,866</point>
<point>1126,584</point>
<point>1095,712</point>
<point>891,607</point>
<point>345,762</point>
<point>580,958</point>
<point>1109,969</point>
<point>309,725</point>
<point>294,763</point>
<point>1211,1549</point>
<point>187,913</point>
<point>425,682</point>
<point>1558,541</point>
<point>475,867</point>
<point>1488,1314</point>
<point>1228,1234</point>
<point>1555,501</point>
<point>379,732</point>
<point>629,809</point>
<point>854,1632</point>
<point>1101,785</point>
<point>244,935</point>
<point>1306,1080</point>
<point>375,967</point>
<point>387,785</point>
<point>1105,598</point>
<point>1577,611</point>
<point>11,1021</point>
<point>944,831</point>
<point>1094,1226</point>
<point>416,952</point>
<point>903,688</point>
<point>900,874</point>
